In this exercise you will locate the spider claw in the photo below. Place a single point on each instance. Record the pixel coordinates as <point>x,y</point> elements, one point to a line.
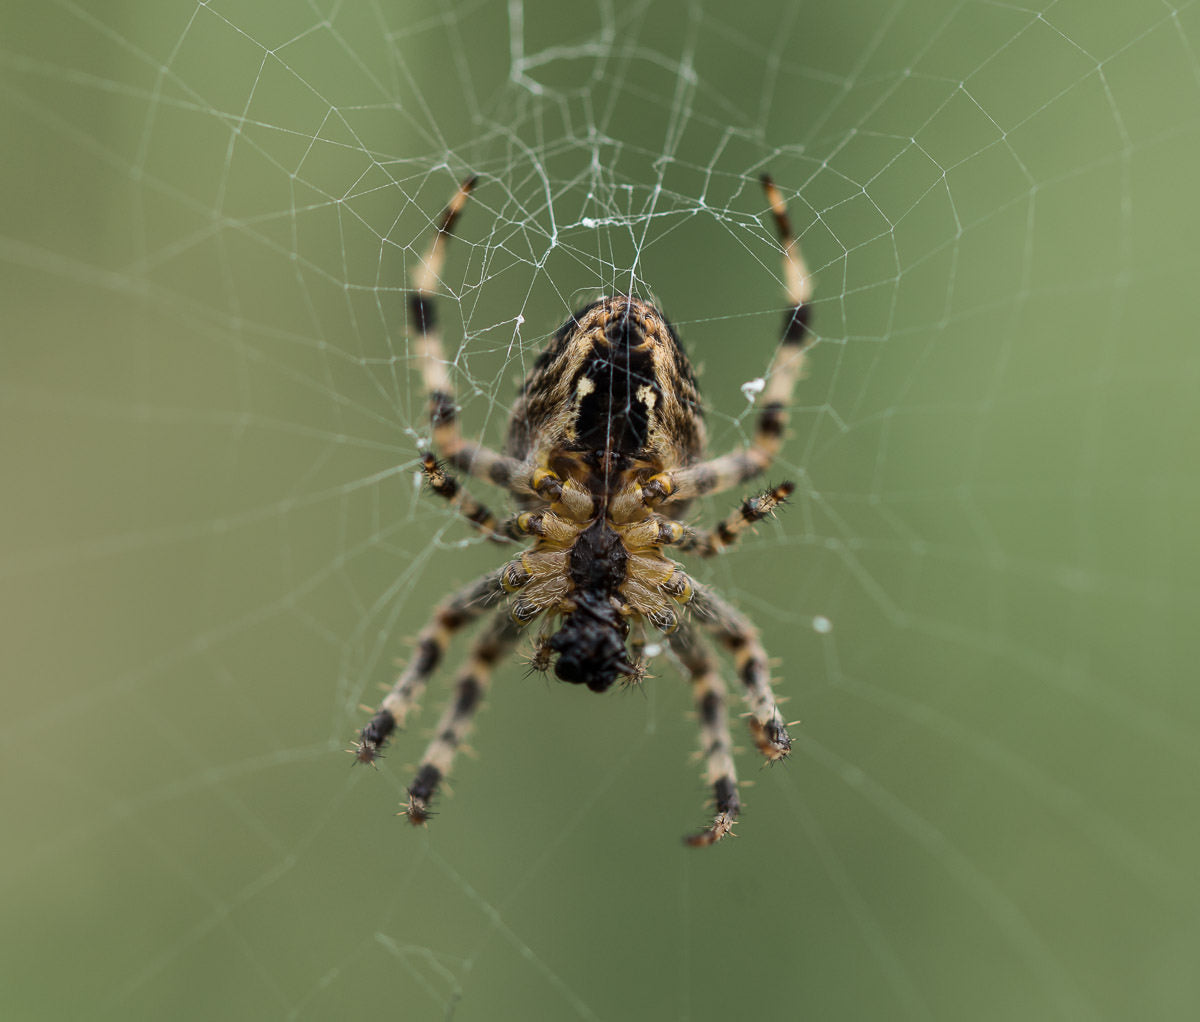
<point>417,811</point>
<point>635,678</point>
<point>722,826</point>
<point>364,753</point>
<point>772,739</point>
<point>373,737</point>
<point>635,671</point>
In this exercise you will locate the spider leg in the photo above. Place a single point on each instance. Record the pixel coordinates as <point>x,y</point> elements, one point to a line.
<point>708,691</point>
<point>453,614</point>
<point>735,632</point>
<point>469,689</point>
<point>708,542</point>
<point>737,467</point>
<point>478,460</point>
<point>448,488</point>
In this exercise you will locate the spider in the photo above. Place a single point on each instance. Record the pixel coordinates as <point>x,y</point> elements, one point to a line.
<point>604,453</point>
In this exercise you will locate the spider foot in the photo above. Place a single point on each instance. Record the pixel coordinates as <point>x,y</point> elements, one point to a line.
<point>364,752</point>
<point>420,794</point>
<point>722,825</point>
<point>755,509</point>
<point>417,810</point>
<point>540,658</point>
<point>373,737</point>
<point>728,807</point>
<point>639,673</point>
<point>772,738</point>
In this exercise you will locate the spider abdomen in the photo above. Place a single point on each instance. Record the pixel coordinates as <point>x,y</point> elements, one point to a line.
<point>614,379</point>
<point>616,391</point>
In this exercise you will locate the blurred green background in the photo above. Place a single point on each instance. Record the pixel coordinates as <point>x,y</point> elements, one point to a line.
<point>982,599</point>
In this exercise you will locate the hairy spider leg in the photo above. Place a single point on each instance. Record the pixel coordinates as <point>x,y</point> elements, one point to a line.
<point>469,689</point>
<point>735,632</point>
<point>708,542</point>
<point>473,458</point>
<point>449,489</point>
<point>737,467</point>
<point>708,693</point>
<point>452,615</point>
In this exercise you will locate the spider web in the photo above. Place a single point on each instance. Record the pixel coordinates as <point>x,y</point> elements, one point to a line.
<point>981,599</point>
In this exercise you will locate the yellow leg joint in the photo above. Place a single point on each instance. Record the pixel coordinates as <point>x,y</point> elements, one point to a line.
<point>546,484</point>
<point>657,489</point>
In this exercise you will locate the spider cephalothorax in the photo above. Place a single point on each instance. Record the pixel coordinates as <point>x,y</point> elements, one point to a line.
<point>606,438</point>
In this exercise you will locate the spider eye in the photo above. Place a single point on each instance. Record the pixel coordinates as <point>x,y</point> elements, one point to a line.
<point>622,331</point>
